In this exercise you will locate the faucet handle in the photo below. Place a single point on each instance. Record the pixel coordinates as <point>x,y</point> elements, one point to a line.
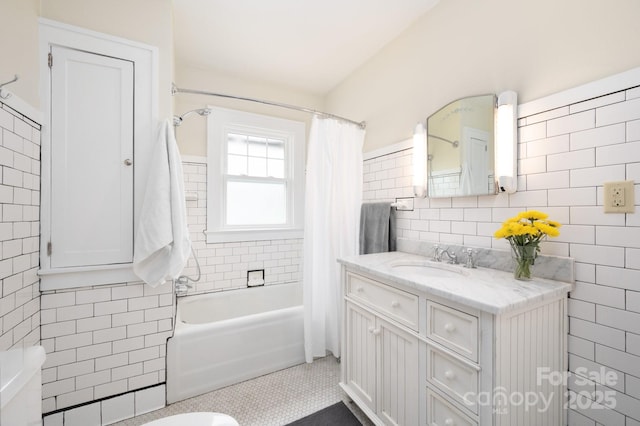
<point>471,261</point>
<point>436,252</point>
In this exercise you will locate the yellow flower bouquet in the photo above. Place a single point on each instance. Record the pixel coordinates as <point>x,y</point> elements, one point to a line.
<point>524,232</point>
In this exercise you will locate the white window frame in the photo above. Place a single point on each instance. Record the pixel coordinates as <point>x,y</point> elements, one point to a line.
<point>222,121</point>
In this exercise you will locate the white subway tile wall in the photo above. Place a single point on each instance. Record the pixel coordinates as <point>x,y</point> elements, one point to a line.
<point>111,339</point>
<point>19,230</point>
<point>565,156</point>
<point>103,341</point>
<point>224,266</point>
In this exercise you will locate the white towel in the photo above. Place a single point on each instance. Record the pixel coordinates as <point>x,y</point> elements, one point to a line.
<point>162,243</point>
<point>465,187</point>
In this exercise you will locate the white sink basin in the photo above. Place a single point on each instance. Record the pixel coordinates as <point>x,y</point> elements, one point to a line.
<point>430,269</point>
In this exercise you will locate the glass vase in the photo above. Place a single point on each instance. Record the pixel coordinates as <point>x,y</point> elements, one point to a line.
<point>523,260</point>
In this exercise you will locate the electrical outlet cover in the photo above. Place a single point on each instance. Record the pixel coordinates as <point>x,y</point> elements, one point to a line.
<point>619,197</point>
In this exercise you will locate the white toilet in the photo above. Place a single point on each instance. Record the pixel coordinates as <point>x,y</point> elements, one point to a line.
<point>195,419</point>
<point>21,386</point>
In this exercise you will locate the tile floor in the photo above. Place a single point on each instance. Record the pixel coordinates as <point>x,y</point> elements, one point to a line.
<point>271,400</point>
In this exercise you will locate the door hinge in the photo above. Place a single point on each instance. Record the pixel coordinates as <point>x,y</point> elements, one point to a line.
<point>50,60</point>
<point>49,248</point>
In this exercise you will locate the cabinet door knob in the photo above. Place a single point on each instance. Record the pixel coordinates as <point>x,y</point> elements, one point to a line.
<point>128,162</point>
<point>449,328</point>
<point>449,375</point>
<point>449,422</point>
<point>374,331</point>
<point>395,304</point>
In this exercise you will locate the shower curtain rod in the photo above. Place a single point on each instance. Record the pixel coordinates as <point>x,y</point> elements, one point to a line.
<point>175,89</point>
<point>454,143</point>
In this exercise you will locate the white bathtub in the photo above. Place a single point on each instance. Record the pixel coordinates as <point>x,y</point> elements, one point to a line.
<point>230,336</point>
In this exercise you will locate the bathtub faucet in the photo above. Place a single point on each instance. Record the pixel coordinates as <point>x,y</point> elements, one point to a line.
<point>182,285</point>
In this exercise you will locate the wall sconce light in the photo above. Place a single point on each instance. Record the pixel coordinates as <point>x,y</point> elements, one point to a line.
<point>506,166</point>
<point>419,161</point>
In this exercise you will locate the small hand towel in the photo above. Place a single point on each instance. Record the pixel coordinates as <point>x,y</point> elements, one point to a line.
<point>162,244</point>
<point>377,228</point>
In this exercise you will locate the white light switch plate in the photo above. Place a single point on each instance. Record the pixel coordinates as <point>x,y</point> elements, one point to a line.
<point>619,197</point>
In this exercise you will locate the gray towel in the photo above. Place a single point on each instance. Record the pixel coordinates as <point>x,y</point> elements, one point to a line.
<point>377,228</point>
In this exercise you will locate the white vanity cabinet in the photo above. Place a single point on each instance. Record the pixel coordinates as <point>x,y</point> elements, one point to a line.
<point>413,356</point>
<point>381,366</point>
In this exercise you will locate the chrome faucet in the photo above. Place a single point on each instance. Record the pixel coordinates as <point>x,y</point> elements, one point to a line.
<point>438,252</point>
<point>182,285</point>
<point>451,255</point>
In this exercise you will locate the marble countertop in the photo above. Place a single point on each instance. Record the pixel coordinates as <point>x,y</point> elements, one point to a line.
<point>489,290</point>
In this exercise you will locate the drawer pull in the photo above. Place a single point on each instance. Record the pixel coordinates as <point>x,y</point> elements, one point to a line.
<point>395,304</point>
<point>374,331</point>
<point>449,422</point>
<point>449,328</point>
<point>359,289</point>
<point>449,375</point>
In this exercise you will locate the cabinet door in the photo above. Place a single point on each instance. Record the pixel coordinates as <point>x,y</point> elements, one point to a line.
<point>398,380</point>
<point>361,354</point>
<point>91,140</point>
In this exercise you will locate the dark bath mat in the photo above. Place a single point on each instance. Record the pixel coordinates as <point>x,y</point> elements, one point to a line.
<point>335,415</point>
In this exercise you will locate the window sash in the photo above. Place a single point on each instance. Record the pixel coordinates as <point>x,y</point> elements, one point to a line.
<point>223,122</point>
<point>288,200</point>
<point>282,155</point>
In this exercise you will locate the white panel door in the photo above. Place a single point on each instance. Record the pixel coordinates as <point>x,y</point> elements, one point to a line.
<point>475,161</point>
<point>479,160</point>
<point>92,131</point>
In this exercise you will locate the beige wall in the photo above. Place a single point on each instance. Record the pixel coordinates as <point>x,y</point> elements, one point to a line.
<point>191,135</point>
<point>146,21</point>
<point>462,48</point>
<point>19,47</point>
<point>459,48</point>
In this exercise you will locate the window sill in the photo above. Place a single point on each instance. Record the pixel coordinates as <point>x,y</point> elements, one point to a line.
<point>253,235</point>
<point>85,276</point>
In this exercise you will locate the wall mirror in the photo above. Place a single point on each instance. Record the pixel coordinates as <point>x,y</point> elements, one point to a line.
<point>460,148</point>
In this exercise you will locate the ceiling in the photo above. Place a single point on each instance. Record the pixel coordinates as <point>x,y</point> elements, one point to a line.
<point>306,45</point>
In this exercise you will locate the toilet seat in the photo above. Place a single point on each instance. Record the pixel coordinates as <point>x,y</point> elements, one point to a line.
<point>195,419</point>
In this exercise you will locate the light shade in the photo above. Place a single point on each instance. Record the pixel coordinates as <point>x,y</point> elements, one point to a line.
<point>506,164</point>
<point>419,161</point>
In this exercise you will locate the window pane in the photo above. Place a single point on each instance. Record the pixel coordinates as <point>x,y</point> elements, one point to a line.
<point>236,144</point>
<point>257,146</point>
<point>237,165</point>
<point>276,168</point>
<point>256,203</point>
<point>276,148</point>
<point>257,167</point>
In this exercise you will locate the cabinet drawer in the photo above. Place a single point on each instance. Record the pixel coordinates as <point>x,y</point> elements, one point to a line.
<point>442,413</point>
<point>453,329</point>
<point>457,378</point>
<point>397,304</point>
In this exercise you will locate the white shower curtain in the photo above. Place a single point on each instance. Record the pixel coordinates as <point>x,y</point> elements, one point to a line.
<point>332,215</point>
